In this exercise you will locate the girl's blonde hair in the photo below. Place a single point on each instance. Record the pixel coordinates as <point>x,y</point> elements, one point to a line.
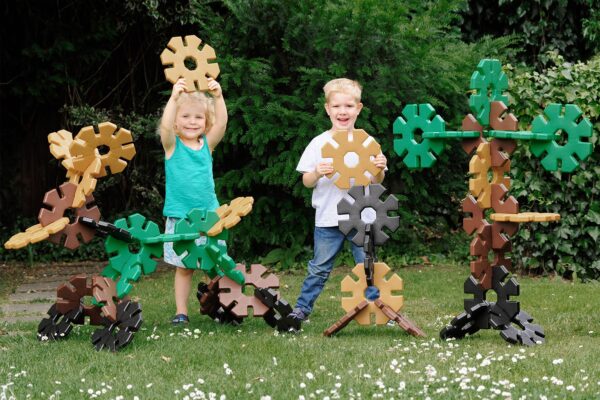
<point>201,98</point>
<point>343,85</point>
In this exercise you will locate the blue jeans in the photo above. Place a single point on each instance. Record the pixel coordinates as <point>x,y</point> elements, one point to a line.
<point>328,243</point>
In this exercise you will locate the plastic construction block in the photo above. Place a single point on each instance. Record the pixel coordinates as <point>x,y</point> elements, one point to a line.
<point>501,203</point>
<point>208,296</point>
<point>231,292</point>
<point>181,49</point>
<point>474,220</point>
<point>529,334</point>
<point>86,181</point>
<point>525,217</point>
<point>504,309</point>
<point>104,291</point>
<point>418,118</point>
<point>58,325</point>
<point>501,233</point>
<point>501,119</point>
<point>386,287</point>
<point>89,144</point>
<point>35,233</point>
<point>360,143</point>
<point>60,142</point>
<point>469,123</point>
<point>401,320</point>
<point>489,83</point>
<point>279,310</point>
<point>104,229</point>
<point>219,255</point>
<point>57,202</point>
<point>479,186</point>
<point>346,319</point>
<point>230,214</point>
<point>451,135</point>
<point>562,118</point>
<point>370,200</point>
<point>117,334</point>
<point>170,237</point>
<point>520,135</point>
<point>466,323</point>
<point>76,233</point>
<point>500,150</point>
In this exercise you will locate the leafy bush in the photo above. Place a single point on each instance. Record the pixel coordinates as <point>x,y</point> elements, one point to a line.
<point>572,246</point>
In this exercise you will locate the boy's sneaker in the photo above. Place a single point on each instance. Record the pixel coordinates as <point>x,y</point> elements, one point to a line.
<point>298,315</point>
<point>180,319</point>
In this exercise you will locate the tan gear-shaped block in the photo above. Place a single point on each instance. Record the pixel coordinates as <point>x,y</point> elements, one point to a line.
<point>469,123</point>
<point>35,233</point>
<point>85,148</point>
<point>60,142</point>
<point>500,119</point>
<point>230,214</point>
<point>86,182</point>
<point>177,52</point>
<point>364,153</point>
<point>479,186</point>
<point>232,292</point>
<point>525,217</point>
<point>385,286</point>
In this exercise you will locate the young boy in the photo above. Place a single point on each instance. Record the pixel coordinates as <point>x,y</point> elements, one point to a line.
<point>342,103</point>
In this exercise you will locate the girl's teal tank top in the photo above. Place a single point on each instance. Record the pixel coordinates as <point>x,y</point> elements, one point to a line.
<point>189,181</point>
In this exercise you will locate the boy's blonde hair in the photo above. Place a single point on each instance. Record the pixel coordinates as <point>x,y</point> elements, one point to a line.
<point>204,100</point>
<point>343,85</point>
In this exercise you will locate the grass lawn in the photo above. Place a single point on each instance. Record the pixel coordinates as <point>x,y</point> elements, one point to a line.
<point>252,361</point>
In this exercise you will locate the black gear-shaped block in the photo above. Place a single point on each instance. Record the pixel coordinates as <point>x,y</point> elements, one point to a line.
<point>504,310</point>
<point>364,201</point>
<point>473,287</point>
<point>466,323</point>
<point>529,334</point>
<point>208,296</point>
<point>104,229</point>
<point>58,325</point>
<point>279,309</point>
<point>118,334</point>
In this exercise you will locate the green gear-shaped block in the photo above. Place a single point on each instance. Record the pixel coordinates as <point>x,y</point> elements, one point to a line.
<point>490,83</point>
<point>129,264</point>
<point>566,122</point>
<point>418,117</point>
<point>197,221</point>
<point>225,263</point>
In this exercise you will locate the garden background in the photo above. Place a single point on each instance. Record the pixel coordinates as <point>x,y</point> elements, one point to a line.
<point>69,64</point>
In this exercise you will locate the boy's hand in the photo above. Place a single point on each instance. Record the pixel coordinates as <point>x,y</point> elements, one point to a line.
<point>214,88</point>
<point>324,168</point>
<point>380,161</point>
<point>179,87</point>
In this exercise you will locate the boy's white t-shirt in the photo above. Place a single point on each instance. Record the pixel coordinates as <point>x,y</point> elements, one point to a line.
<point>326,195</point>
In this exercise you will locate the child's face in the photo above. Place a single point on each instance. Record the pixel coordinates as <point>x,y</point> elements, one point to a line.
<point>343,110</point>
<point>190,121</point>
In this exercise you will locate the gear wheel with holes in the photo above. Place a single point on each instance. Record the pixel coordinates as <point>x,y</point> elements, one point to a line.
<point>480,185</point>
<point>117,334</point>
<point>489,83</point>
<point>465,323</point>
<point>278,312</point>
<point>178,51</point>
<point>418,118</point>
<point>87,146</point>
<point>529,335</point>
<point>386,288</point>
<point>196,257</point>
<point>362,147</point>
<point>60,142</point>
<point>232,293</point>
<point>208,296</point>
<point>555,121</point>
<point>58,325</point>
<point>128,263</point>
<point>504,310</point>
<point>364,201</point>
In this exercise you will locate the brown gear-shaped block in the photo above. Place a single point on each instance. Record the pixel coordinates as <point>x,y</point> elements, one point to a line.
<point>501,203</point>
<point>501,233</point>
<point>475,221</point>
<point>88,144</point>
<point>479,185</point>
<point>363,150</point>
<point>481,244</point>
<point>346,319</point>
<point>104,291</point>
<point>500,175</point>
<point>178,51</point>
<point>500,151</point>
<point>76,232</point>
<point>386,288</point>
<point>86,182</point>
<point>230,214</point>
<point>60,142</point>
<point>57,201</point>
<point>401,320</point>
<point>501,119</point>
<point>525,217</point>
<point>500,259</point>
<point>469,123</point>
<point>232,292</point>
<point>482,271</point>
<point>35,233</point>
<point>69,294</point>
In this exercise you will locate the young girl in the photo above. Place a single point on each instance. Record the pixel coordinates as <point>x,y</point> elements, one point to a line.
<point>191,127</point>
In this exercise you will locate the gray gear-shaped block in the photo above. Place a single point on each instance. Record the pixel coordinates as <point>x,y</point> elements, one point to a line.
<point>361,202</point>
